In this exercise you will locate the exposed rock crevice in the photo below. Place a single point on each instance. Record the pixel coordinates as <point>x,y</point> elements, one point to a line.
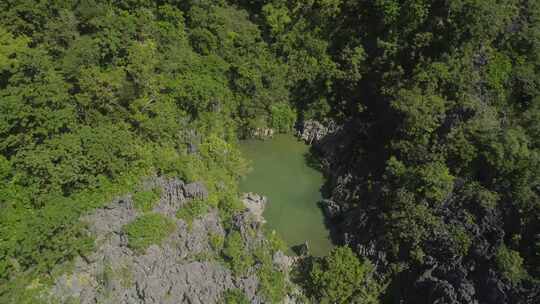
<point>312,131</point>
<point>442,276</point>
<point>180,270</point>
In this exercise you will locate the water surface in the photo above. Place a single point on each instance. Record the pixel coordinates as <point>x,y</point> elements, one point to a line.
<point>280,172</point>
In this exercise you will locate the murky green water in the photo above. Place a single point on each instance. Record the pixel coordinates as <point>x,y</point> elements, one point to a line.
<point>280,172</point>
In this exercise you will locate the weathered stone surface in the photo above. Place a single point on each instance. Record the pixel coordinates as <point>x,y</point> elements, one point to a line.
<point>312,131</point>
<point>172,194</point>
<point>180,270</point>
<point>262,133</point>
<point>255,204</point>
<point>196,190</point>
<point>111,218</point>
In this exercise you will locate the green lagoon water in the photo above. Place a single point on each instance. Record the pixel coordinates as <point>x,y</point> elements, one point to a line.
<point>280,172</point>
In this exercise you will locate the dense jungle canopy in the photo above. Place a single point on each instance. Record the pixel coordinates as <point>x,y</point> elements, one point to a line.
<point>436,168</point>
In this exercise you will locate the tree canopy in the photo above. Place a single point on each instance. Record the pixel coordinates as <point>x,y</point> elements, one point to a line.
<point>435,167</point>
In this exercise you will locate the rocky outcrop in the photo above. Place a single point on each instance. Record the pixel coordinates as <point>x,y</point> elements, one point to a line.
<point>312,131</point>
<point>442,276</point>
<point>183,269</point>
<point>255,204</point>
<point>330,208</point>
<point>282,261</point>
<point>195,190</point>
<point>262,133</point>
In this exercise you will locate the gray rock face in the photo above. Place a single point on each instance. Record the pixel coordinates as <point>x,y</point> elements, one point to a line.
<point>172,194</point>
<point>262,133</point>
<point>180,270</point>
<point>196,190</point>
<point>111,218</point>
<point>313,131</point>
<point>255,204</point>
<point>330,208</point>
<point>282,261</point>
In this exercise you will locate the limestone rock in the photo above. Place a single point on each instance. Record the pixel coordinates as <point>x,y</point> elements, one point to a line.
<point>196,190</point>
<point>255,204</point>
<point>172,194</point>
<point>313,131</point>
<point>330,208</point>
<point>262,133</point>
<point>282,261</point>
<point>180,270</point>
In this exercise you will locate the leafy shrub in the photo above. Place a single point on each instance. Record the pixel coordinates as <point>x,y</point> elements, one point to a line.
<point>434,181</point>
<point>228,206</point>
<point>216,241</point>
<point>271,281</point>
<point>192,210</point>
<point>125,275</point>
<point>342,278</point>
<point>510,264</point>
<point>146,200</point>
<point>238,258</point>
<point>283,117</point>
<point>148,229</point>
<point>235,296</point>
<point>276,242</point>
<point>203,41</point>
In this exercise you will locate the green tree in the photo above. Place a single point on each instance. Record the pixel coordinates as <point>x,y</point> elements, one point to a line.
<point>236,254</point>
<point>283,117</point>
<point>235,296</point>
<point>343,278</point>
<point>510,263</point>
<point>146,230</point>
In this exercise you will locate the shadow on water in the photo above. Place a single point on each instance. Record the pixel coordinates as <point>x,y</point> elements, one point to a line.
<point>314,161</point>
<point>332,225</point>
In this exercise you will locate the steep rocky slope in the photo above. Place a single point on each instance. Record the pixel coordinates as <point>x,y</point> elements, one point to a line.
<point>185,268</point>
<point>355,210</point>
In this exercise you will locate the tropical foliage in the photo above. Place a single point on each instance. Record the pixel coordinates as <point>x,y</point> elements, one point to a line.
<point>440,103</point>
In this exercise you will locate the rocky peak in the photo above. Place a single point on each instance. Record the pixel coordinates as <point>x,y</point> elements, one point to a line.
<point>182,269</point>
